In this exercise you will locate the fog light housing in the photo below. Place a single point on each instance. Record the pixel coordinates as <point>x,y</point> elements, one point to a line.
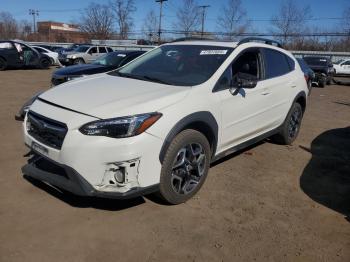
<point>119,175</point>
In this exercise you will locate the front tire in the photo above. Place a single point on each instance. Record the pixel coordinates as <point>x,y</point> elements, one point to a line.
<point>291,126</point>
<point>185,166</point>
<point>79,61</point>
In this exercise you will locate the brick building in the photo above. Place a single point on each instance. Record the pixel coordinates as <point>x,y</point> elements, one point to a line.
<point>60,32</point>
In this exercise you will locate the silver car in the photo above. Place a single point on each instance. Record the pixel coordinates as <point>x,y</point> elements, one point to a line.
<point>83,54</point>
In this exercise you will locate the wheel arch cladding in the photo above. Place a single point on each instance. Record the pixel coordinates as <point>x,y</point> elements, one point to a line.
<point>202,121</point>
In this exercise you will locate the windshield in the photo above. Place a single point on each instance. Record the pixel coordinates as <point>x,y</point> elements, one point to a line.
<point>183,65</point>
<point>316,60</point>
<point>111,59</point>
<point>338,62</point>
<point>81,49</point>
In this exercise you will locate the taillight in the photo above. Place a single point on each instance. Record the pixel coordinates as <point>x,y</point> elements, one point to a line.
<point>306,78</point>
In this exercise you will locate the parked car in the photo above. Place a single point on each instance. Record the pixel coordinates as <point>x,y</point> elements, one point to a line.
<point>342,68</point>
<point>52,48</point>
<point>83,54</point>
<point>53,55</point>
<point>157,123</point>
<point>323,68</point>
<point>308,73</point>
<point>105,63</point>
<point>15,54</point>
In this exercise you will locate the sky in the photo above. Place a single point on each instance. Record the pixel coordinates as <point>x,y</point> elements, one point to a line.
<point>70,10</point>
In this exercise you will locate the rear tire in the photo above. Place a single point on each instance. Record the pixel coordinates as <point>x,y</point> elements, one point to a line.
<point>3,64</point>
<point>185,167</point>
<point>291,126</point>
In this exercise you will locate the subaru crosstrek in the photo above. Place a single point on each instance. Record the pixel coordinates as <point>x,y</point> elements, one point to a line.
<point>157,123</point>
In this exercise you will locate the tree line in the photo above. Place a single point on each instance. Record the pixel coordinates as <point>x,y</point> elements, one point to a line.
<point>115,20</point>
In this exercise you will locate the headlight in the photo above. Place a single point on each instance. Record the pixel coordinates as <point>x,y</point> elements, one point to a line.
<point>120,127</point>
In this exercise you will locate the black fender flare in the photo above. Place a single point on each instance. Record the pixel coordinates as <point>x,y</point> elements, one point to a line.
<point>204,118</point>
<point>301,94</point>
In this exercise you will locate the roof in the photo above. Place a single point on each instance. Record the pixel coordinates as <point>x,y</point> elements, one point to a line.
<point>206,42</point>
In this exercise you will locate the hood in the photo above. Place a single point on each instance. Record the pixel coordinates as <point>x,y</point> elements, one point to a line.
<point>106,96</point>
<point>70,54</point>
<point>84,69</point>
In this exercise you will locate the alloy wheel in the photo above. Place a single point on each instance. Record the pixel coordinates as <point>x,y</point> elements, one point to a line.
<point>188,168</point>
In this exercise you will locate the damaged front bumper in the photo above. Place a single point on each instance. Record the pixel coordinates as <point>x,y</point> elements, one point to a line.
<point>66,178</point>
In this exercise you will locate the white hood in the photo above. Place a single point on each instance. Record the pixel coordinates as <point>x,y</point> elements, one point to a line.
<point>106,96</point>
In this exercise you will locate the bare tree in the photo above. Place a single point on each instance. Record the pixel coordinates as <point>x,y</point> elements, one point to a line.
<point>187,17</point>
<point>290,22</point>
<point>150,26</point>
<point>232,20</point>
<point>8,26</point>
<point>25,29</point>
<point>97,21</point>
<point>346,20</point>
<point>123,10</point>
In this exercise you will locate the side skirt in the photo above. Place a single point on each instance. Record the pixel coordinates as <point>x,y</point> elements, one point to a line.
<point>245,144</point>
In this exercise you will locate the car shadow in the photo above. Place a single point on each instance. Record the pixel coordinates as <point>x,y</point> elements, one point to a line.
<point>326,178</point>
<point>86,202</point>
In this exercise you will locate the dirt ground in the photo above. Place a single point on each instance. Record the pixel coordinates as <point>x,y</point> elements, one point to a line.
<point>267,203</point>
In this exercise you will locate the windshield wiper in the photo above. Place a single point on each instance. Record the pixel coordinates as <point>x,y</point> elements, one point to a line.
<point>147,78</point>
<point>154,79</point>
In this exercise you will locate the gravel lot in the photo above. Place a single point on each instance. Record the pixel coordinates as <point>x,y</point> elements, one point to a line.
<point>267,203</point>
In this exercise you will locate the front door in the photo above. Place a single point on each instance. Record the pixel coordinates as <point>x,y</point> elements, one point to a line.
<point>243,109</point>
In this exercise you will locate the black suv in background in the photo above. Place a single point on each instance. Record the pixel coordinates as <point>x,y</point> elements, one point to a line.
<point>14,54</point>
<point>105,63</point>
<point>323,68</point>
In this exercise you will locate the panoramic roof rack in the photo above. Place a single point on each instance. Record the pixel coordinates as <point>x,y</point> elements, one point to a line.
<point>260,40</point>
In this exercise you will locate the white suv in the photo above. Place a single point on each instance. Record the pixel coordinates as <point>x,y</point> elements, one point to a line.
<point>157,123</point>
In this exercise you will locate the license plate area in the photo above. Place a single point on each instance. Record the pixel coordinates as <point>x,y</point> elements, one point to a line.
<point>39,148</point>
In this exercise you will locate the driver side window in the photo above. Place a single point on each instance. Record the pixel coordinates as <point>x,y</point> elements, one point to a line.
<point>246,66</point>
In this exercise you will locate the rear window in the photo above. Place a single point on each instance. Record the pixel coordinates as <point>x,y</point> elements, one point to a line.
<point>277,64</point>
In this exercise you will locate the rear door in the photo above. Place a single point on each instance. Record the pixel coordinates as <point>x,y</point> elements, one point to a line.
<point>280,82</point>
<point>11,54</point>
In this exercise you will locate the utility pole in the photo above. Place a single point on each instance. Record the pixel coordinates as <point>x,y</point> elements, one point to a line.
<point>160,18</point>
<point>34,13</point>
<point>203,17</point>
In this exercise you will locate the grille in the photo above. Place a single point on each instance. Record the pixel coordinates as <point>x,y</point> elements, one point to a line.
<point>45,130</point>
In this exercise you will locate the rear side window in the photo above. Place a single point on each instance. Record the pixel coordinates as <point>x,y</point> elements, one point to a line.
<point>109,49</point>
<point>102,49</point>
<point>276,63</point>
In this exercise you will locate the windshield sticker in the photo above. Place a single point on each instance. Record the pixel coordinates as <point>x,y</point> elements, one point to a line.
<point>213,52</point>
<point>122,55</point>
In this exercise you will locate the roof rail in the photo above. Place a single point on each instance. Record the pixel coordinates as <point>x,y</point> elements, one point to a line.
<point>190,39</point>
<point>260,40</point>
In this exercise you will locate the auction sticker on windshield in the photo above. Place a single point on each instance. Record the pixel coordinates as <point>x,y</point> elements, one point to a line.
<point>213,52</point>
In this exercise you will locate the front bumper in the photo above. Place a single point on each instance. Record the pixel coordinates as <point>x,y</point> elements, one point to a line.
<point>66,178</point>
<point>95,159</point>
<point>66,61</point>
